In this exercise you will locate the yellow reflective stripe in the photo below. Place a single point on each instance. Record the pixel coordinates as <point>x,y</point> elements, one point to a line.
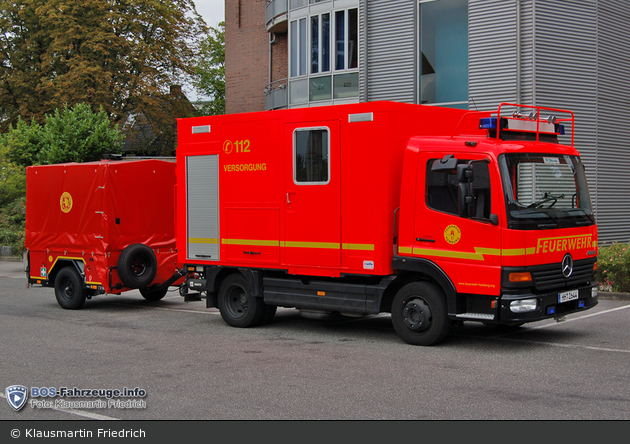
<point>364,247</point>
<point>518,251</point>
<point>291,244</point>
<point>201,240</point>
<point>478,255</point>
<point>326,245</point>
<point>260,243</point>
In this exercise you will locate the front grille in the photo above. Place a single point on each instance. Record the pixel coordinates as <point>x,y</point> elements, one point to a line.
<point>549,277</point>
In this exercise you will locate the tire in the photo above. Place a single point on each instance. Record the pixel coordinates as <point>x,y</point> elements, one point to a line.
<point>419,314</point>
<point>153,295</point>
<point>137,266</point>
<point>237,305</point>
<point>69,289</point>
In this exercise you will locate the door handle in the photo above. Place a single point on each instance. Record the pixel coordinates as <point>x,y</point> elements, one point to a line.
<point>288,200</point>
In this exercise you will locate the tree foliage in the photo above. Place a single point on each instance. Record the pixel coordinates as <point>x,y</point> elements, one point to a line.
<point>209,77</point>
<point>68,135</point>
<point>119,55</point>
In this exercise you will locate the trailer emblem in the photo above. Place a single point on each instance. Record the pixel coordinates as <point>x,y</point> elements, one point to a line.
<point>16,396</point>
<point>66,202</point>
<point>567,265</point>
<point>452,234</point>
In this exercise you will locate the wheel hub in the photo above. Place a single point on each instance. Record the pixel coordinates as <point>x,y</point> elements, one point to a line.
<point>417,315</point>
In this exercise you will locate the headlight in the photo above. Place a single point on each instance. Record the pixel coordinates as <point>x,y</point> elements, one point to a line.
<point>524,305</point>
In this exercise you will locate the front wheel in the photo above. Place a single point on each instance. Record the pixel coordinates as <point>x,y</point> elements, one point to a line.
<point>419,314</point>
<point>69,289</point>
<point>237,305</point>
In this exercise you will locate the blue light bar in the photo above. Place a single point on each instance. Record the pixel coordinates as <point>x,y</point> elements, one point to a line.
<point>488,123</point>
<point>560,129</point>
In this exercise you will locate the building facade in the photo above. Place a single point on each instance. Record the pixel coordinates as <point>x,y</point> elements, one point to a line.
<point>474,54</point>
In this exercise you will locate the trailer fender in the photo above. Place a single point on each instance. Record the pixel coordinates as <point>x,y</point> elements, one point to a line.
<point>433,271</point>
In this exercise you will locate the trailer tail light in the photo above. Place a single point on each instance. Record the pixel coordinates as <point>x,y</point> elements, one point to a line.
<point>520,277</point>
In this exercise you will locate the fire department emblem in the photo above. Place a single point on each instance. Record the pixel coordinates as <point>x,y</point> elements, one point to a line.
<point>16,396</point>
<point>452,234</point>
<point>66,202</point>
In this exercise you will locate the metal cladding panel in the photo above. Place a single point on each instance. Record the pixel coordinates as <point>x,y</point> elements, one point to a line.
<point>202,188</point>
<point>391,61</point>
<point>612,181</point>
<point>492,53</point>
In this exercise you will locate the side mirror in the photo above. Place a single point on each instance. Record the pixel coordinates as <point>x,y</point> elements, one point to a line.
<point>494,219</point>
<point>466,200</point>
<point>465,172</point>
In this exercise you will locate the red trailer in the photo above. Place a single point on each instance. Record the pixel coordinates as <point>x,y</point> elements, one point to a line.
<point>101,227</point>
<point>435,215</point>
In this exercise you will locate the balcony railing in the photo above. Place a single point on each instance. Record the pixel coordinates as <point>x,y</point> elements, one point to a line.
<point>276,95</point>
<point>276,15</point>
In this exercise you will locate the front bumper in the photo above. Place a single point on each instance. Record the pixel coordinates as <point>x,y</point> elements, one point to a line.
<point>548,304</point>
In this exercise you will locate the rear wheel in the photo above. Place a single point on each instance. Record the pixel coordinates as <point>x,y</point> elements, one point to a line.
<point>69,288</point>
<point>238,307</point>
<point>419,314</point>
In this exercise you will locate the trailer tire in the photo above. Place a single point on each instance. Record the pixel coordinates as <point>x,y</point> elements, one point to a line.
<point>153,295</point>
<point>237,304</point>
<point>419,314</point>
<point>69,288</point>
<point>137,266</point>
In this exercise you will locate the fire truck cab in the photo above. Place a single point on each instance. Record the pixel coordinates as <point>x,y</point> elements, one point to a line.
<point>434,215</point>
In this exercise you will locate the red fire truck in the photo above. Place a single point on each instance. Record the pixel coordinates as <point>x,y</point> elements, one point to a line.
<point>101,227</point>
<point>435,215</point>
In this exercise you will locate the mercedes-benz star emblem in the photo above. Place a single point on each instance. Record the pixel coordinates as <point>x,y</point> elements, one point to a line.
<point>567,266</point>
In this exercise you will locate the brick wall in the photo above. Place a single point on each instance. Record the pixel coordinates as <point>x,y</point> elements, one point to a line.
<point>247,56</point>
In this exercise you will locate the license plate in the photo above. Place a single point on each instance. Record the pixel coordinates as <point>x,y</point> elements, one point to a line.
<point>568,296</point>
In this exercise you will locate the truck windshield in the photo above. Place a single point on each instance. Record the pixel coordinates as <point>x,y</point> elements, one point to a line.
<point>545,191</point>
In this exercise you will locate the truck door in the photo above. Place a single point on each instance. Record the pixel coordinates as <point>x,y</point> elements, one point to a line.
<point>465,243</point>
<point>312,234</point>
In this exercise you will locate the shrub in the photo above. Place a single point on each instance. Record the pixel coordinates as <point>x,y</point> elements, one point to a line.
<point>12,220</point>
<point>613,272</point>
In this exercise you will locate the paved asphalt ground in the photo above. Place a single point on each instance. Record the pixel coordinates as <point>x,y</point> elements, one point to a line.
<point>193,366</point>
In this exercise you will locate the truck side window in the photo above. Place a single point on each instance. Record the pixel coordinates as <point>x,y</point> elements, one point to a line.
<point>442,191</point>
<point>311,156</point>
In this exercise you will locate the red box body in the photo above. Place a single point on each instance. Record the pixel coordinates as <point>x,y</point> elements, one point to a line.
<point>89,212</point>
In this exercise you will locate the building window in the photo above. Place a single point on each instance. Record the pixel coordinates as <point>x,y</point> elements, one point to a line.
<point>444,52</point>
<point>323,50</point>
<point>311,164</point>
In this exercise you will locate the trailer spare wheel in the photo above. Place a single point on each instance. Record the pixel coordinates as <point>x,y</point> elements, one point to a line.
<point>137,266</point>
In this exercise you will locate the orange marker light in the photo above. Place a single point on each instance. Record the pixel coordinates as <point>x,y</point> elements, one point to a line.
<point>521,277</point>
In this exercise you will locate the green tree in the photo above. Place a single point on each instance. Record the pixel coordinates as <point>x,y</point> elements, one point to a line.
<point>68,135</point>
<point>78,135</point>
<point>209,80</point>
<point>121,55</point>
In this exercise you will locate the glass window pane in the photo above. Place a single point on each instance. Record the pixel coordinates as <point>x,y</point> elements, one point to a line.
<point>294,48</point>
<point>353,41</point>
<point>444,51</point>
<point>346,85</point>
<point>325,42</point>
<point>303,52</point>
<point>310,156</point>
<point>315,44</point>
<point>340,39</point>
<point>320,88</point>
<point>298,91</point>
